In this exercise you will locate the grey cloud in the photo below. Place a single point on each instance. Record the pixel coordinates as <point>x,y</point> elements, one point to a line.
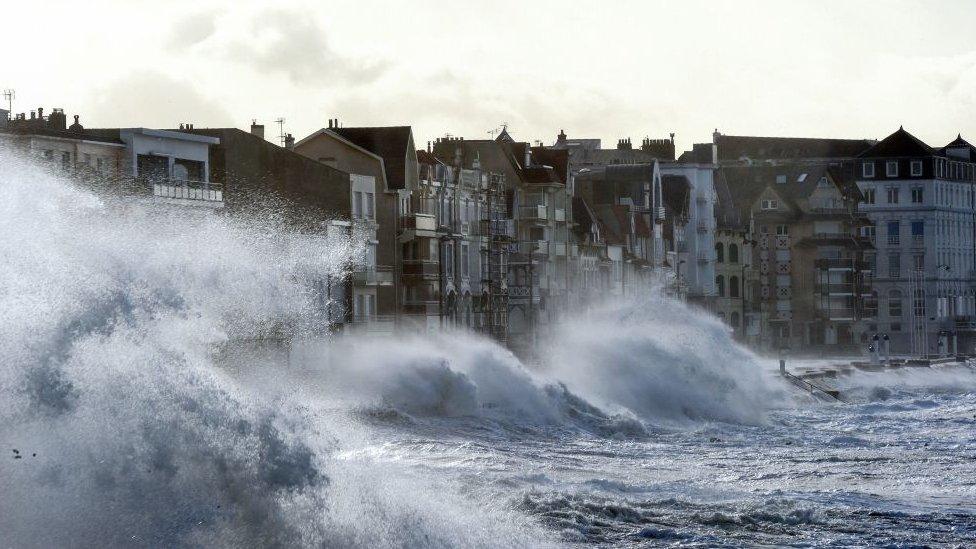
<point>192,29</point>
<point>294,44</point>
<point>153,99</point>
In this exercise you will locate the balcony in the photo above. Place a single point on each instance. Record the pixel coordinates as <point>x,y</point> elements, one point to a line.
<point>418,222</point>
<point>702,226</point>
<point>704,257</point>
<point>498,228</point>
<point>420,267</point>
<point>894,240</point>
<point>559,214</point>
<point>559,248</point>
<point>840,264</point>
<point>379,275</point>
<point>830,212</point>
<point>539,247</point>
<point>183,189</point>
<point>533,213</point>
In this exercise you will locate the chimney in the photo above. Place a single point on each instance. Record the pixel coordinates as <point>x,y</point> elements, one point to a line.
<point>40,112</point>
<point>289,142</point>
<point>528,157</point>
<point>76,127</point>
<point>624,144</point>
<point>672,138</point>
<point>715,136</point>
<point>33,115</point>
<point>257,129</point>
<point>57,120</point>
<point>561,138</point>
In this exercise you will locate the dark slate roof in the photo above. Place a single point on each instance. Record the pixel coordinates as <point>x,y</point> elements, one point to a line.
<point>582,216</point>
<point>424,157</point>
<point>899,144</point>
<point>676,193</point>
<point>558,159</point>
<point>957,144</point>
<point>727,215</point>
<point>101,136</point>
<point>747,183</point>
<point>735,147</point>
<point>392,143</point>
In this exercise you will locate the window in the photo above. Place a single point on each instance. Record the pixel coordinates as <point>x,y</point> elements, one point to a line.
<point>782,230</point>
<point>770,205</point>
<point>919,303</point>
<point>464,260</point>
<point>719,253</point>
<point>867,169</point>
<point>733,286</point>
<point>822,182</point>
<point>357,204</point>
<point>892,195</point>
<point>869,196</point>
<point>802,178</point>
<point>734,319</point>
<point>891,168</point>
<point>918,230</point>
<point>917,195</point>
<point>918,262</point>
<point>894,265</point>
<point>894,304</point>
<point>733,253</point>
<point>916,168</point>
<point>781,179</point>
<point>894,233</point>
<point>369,205</point>
<point>720,285</point>
<point>869,232</point>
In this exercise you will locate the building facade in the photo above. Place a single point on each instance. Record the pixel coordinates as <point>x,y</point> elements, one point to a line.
<point>922,203</point>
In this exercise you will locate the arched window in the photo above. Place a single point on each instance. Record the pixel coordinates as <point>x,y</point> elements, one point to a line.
<point>733,284</point>
<point>719,253</point>
<point>894,303</point>
<point>734,319</point>
<point>720,285</point>
<point>733,253</point>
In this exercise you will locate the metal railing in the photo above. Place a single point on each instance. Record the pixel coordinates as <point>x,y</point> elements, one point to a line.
<point>373,275</point>
<point>186,189</point>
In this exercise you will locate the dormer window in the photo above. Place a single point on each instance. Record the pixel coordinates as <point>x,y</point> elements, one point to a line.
<point>770,205</point>
<point>781,179</point>
<point>867,169</point>
<point>891,168</point>
<point>916,168</point>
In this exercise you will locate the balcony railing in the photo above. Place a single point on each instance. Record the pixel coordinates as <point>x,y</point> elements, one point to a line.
<point>185,189</point>
<point>419,222</point>
<point>559,214</point>
<point>533,213</point>
<point>379,275</point>
<point>894,240</point>
<point>533,247</point>
<point>498,228</point>
<point>840,264</point>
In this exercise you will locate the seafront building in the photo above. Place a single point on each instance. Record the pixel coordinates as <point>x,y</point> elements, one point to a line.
<point>922,203</point>
<point>811,245</point>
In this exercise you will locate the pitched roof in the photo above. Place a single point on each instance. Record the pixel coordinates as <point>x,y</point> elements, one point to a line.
<point>100,136</point>
<point>392,143</point>
<point>898,144</point>
<point>960,148</point>
<point>736,147</point>
<point>424,157</point>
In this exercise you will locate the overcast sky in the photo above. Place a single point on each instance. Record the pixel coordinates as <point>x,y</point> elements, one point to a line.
<point>596,69</point>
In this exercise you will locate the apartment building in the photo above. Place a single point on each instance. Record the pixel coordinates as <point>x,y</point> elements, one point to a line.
<point>922,203</point>
<point>812,282</point>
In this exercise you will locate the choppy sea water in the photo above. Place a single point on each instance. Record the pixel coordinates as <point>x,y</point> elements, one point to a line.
<point>148,400</point>
<point>893,468</point>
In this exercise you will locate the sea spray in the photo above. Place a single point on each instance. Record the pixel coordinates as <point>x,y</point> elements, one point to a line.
<point>661,361</point>
<point>120,427</point>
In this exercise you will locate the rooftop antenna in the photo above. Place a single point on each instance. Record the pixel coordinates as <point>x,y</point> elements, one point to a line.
<point>9,94</point>
<point>281,130</point>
